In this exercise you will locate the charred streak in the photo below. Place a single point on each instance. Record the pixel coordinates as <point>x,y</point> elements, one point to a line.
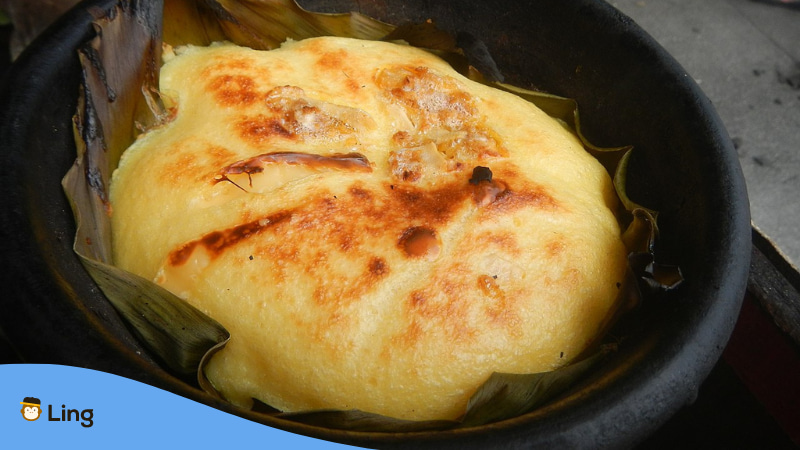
<point>218,241</point>
<point>96,62</point>
<point>95,180</point>
<point>91,129</point>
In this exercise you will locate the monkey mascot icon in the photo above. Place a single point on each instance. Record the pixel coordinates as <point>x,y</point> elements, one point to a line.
<point>31,408</point>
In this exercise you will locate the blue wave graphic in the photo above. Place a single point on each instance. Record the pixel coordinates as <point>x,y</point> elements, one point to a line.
<point>83,408</point>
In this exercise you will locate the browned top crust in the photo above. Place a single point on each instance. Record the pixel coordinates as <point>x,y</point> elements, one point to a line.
<point>374,230</point>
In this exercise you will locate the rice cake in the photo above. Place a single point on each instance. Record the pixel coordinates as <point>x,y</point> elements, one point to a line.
<point>376,231</point>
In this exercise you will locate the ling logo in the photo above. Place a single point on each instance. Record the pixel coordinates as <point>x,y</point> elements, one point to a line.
<point>32,410</point>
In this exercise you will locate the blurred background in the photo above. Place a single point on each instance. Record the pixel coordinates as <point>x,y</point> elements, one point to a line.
<point>745,55</point>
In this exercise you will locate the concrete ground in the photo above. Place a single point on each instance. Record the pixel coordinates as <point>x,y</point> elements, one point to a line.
<point>745,55</point>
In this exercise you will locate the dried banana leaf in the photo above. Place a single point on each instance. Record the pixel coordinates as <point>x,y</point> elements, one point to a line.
<point>120,99</point>
<point>502,396</point>
<point>506,395</point>
<point>259,24</point>
<point>119,76</point>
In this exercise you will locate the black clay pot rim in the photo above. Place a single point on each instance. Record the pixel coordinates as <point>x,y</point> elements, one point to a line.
<point>617,409</point>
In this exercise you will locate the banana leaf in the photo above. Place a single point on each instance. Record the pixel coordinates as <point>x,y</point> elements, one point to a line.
<point>116,101</point>
<point>119,99</point>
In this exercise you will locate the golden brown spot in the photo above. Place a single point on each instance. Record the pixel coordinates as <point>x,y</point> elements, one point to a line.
<point>555,247</point>
<point>217,155</point>
<point>347,243</point>
<point>504,317</point>
<point>181,168</point>
<point>498,307</point>
<point>506,241</point>
<point>378,267</point>
<point>488,285</point>
<point>340,290</point>
<point>222,64</point>
<point>447,310</point>
<point>233,90</point>
<point>412,334</point>
<point>360,194</point>
<point>334,60</point>
<point>192,166</point>
<point>568,278</point>
<point>353,85</point>
<point>417,299</point>
<point>326,297</point>
<point>335,63</point>
<point>417,242</point>
<point>435,206</point>
<point>261,128</point>
<point>509,201</point>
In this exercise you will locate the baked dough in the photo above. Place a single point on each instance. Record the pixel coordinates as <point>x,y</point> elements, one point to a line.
<point>376,231</point>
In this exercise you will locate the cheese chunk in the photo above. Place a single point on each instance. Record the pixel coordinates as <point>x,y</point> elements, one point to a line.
<point>376,231</point>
